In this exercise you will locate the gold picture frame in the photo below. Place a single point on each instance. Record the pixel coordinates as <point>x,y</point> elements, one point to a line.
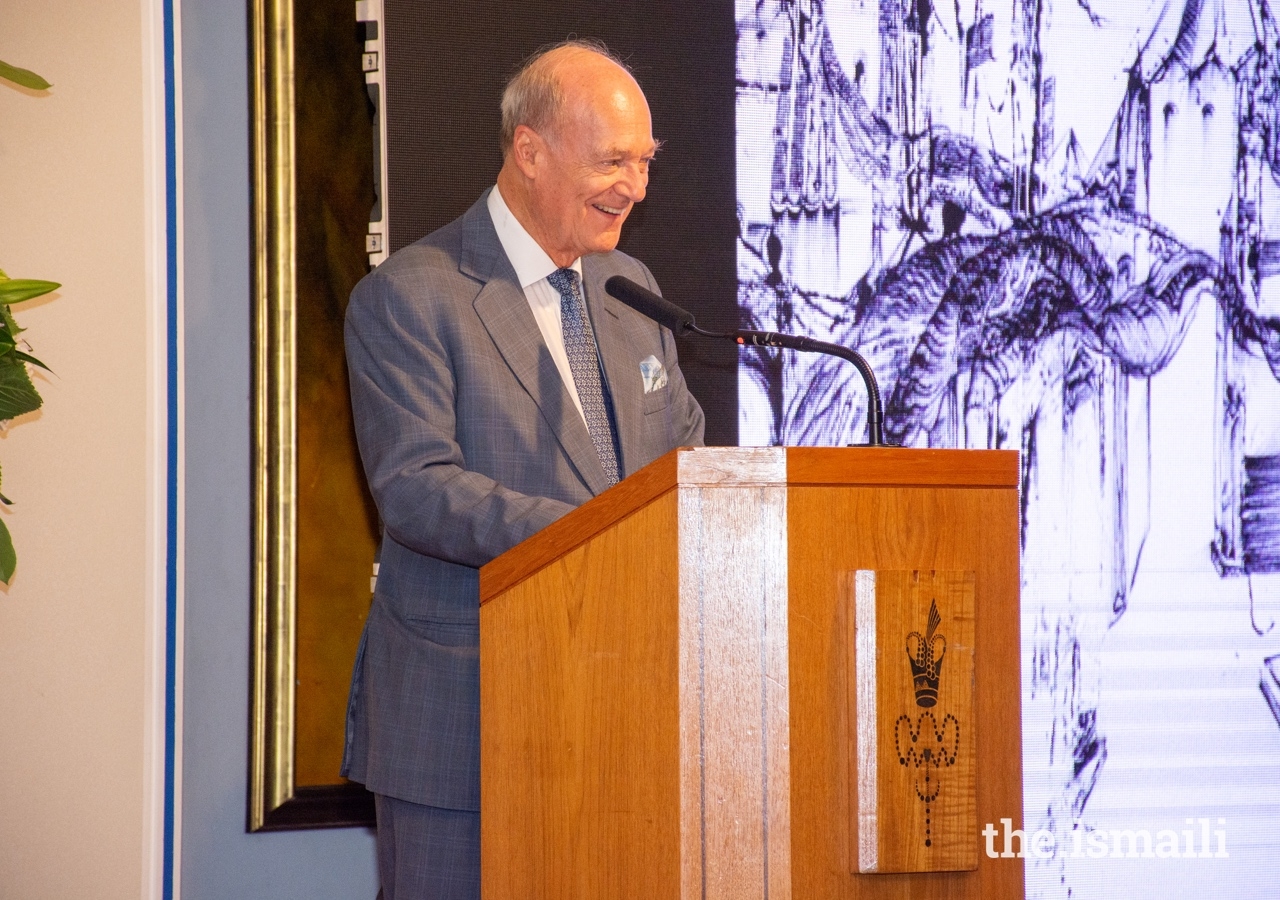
<point>284,794</point>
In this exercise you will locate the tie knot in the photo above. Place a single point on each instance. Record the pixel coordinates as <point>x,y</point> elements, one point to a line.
<point>565,281</point>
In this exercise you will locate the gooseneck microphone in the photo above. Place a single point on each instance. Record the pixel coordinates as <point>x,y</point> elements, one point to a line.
<point>655,306</point>
<point>664,312</point>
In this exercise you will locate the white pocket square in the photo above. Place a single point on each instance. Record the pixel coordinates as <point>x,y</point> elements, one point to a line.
<point>653,373</point>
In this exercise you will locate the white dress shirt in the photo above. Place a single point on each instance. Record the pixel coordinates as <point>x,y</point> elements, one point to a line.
<point>532,267</point>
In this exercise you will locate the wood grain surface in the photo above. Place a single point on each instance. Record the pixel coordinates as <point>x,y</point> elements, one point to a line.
<point>913,643</point>
<point>896,465</point>
<point>580,721</point>
<point>834,532</point>
<point>635,720</point>
<point>668,679</point>
<point>734,691</point>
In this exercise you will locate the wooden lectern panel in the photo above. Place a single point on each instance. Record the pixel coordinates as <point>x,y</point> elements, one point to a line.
<point>580,671</point>
<point>890,525</point>
<point>668,690</point>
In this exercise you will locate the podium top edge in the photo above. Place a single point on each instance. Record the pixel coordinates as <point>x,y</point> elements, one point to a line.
<point>800,466</point>
<point>728,467</point>
<point>903,466</point>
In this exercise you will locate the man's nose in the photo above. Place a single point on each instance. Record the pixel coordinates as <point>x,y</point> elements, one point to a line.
<point>634,182</point>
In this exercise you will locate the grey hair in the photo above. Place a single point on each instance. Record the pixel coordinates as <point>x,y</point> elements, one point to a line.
<point>533,97</point>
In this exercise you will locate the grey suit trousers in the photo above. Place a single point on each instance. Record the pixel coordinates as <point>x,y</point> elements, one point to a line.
<point>427,853</point>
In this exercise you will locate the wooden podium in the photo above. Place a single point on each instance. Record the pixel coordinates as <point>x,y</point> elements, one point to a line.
<point>759,673</point>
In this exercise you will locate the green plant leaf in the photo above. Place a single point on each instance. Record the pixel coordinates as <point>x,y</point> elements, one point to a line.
<point>9,322</point>
<point>17,394</point>
<point>8,556</point>
<point>27,79</point>
<point>15,290</point>
<point>28,358</point>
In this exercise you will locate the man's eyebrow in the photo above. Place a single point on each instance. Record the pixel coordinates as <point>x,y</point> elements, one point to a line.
<point>614,152</point>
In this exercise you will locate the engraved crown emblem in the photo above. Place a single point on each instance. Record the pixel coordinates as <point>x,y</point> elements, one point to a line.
<point>925,654</point>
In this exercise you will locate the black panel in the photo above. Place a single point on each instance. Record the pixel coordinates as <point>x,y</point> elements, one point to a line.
<point>445,67</point>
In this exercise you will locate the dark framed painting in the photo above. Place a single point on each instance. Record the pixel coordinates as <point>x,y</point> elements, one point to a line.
<point>315,527</point>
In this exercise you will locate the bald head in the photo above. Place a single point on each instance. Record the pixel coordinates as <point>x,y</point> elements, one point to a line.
<point>536,96</point>
<point>578,141</point>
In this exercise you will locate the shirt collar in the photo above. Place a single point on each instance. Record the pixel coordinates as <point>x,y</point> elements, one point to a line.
<point>528,259</point>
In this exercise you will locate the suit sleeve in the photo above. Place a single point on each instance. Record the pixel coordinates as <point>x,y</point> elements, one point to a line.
<point>403,400</point>
<point>687,418</point>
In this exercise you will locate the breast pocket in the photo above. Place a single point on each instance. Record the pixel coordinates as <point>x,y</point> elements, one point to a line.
<point>657,400</point>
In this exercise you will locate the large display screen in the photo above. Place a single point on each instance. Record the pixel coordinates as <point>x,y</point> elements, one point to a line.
<point>1054,226</point>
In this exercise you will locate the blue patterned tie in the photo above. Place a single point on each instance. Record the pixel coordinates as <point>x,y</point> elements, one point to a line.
<point>584,363</point>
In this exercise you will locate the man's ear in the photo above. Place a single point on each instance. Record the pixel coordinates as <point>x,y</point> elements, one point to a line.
<point>527,150</point>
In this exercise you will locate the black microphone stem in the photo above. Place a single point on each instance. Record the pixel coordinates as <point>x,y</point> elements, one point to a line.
<point>875,406</point>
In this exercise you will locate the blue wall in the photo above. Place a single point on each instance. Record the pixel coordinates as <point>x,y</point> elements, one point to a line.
<point>219,860</point>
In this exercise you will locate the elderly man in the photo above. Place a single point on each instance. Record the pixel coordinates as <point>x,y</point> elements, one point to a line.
<point>495,387</point>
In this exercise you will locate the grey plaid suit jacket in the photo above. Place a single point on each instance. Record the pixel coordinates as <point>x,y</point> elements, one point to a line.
<point>471,443</point>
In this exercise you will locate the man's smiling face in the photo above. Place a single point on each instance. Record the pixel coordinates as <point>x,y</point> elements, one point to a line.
<point>593,163</point>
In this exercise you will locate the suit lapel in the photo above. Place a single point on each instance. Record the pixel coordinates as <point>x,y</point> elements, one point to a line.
<point>504,310</point>
<point>620,366</point>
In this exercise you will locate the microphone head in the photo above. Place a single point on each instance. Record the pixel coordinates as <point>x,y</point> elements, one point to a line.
<point>647,303</point>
